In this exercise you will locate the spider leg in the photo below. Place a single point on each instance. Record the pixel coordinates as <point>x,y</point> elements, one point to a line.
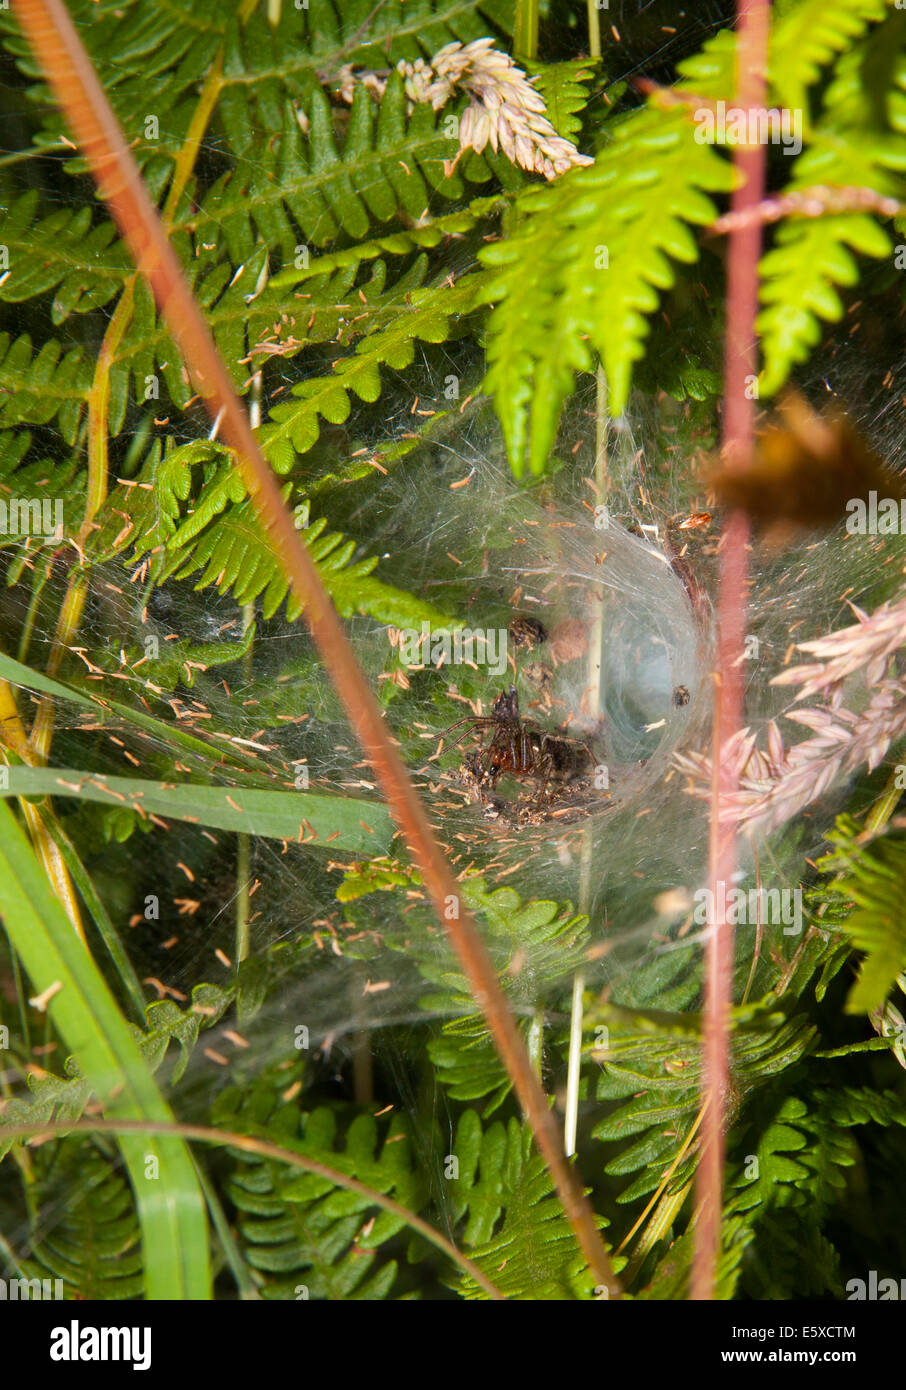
<point>544,766</point>
<point>479,723</point>
<point>486,754</point>
<point>592,755</point>
<point>591,751</point>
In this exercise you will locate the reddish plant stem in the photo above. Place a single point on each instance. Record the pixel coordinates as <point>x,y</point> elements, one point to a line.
<point>740,369</point>
<point>57,46</point>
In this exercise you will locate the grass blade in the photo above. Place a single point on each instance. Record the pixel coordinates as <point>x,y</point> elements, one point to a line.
<point>169,1201</point>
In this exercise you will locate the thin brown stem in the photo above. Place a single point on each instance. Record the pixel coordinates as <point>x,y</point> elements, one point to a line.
<point>820,200</point>
<point>740,376</point>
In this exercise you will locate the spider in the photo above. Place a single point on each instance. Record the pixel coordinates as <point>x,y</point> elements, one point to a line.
<point>522,748</point>
<point>526,633</point>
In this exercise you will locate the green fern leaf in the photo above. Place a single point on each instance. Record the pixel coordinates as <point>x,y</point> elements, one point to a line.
<point>58,1098</point>
<point>43,386</point>
<point>62,251</point>
<point>389,162</point>
<point>852,1105</point>
<point>657,1066</point>
<point>711,73</point>
<point>400,243</point>
<point>85,1230</point>
<point>811,257</point>
<point>222,537</point>
<point>150,64</point>
<point>167,1022</point>
<point>564,89</point>
<point>810,37</point>
<point>532,1253</point>
<point>584,268</point>
<point>294,427</point>
<point>868,888</point>
<point>298,1230</point>
<point>772,1160</point>
<point>535,946</point>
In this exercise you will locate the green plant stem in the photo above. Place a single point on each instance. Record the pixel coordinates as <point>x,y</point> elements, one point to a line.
<point>525,29</point>
<point>594,29</point>
<point>595,657</point>
<point>248,1289</point>
<point>884,807</point>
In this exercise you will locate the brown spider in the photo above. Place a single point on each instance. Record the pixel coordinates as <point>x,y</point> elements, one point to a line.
<point>522,748</point>
<point>526,633</point>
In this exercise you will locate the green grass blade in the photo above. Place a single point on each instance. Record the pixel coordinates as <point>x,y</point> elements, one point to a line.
<point>169,1202</point>
<point>338,822</point>
<point>100,916</point>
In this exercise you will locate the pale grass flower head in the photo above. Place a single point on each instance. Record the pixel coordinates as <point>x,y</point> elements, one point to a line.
<point>505,109</point>
<point>766,788</point>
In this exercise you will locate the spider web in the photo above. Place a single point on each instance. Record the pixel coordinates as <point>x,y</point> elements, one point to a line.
<point>628,606</point>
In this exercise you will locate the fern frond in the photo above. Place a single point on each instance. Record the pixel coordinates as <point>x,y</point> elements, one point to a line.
<point>412,29</point>
<point>399,243</point>
<point>787,1171</point>
<point>428,315</point>
<point>808,37</point>
<point>711,73</point>
<point>564,87</point>
<point>221,536</point>
<point>53,490</point>
<point>298,1230</point>
<point>167,1022</point>
<point>388,162</point>
<point>538,944</point>
<point>62,1098</point>
<point>41,386</point>
<point>64,250</point>
<point>584,268</point>
<point>85,1229</point>
<point>532,1252</point>
<point>150,64</point>
<point>180,661</point>
<point>467,1065</point>
<point>658,1067</point>
<point>812,35</point>
<point>234,555</point>
<point>812,257</point>
<point>671,1279</point>
<point>868,887</point>
<point>385,321</point>
<point>535,946</point>
<point>772,1162</point>
<point>788,1257</point>
<point>853,1105</point>
<point>58,1098</point>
